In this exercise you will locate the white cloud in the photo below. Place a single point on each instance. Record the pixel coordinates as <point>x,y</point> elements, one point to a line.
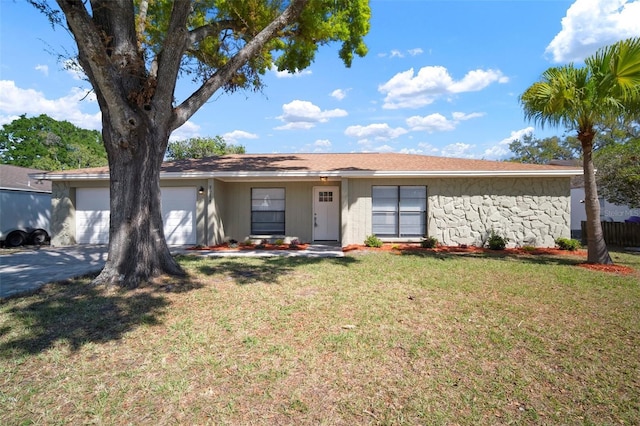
<point>431,123</point>
<point>383,148</point>
<point>461,116</point>
<point>438,122</point>
<point>288,74</point>
<point>409,90</point>
<point>591,24</point>
<point>477,80</point>
<point>44,69</point>
<point>305,115</point>
<point>378,132</point>
<point>501,149</point>
<point>396,53</point>
<point>15,100</point>
<point>187,131</point>
<point>234,136</point>
<point>458,150</point>
<point>339,94</point>
<point>322,145</point>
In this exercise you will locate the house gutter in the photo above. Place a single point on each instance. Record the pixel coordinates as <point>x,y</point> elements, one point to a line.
<point>334,174</point>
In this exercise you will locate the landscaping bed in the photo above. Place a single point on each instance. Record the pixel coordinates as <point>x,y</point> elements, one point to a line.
<point>515,251</point>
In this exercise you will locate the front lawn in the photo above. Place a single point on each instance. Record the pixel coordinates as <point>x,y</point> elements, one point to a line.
<point>372,338</point>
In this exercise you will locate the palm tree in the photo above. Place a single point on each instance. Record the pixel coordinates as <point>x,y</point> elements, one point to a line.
<point>580,99</point>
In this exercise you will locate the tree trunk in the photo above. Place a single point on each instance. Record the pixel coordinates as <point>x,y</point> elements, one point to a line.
<point>137,247</point>
<point>597,251</point>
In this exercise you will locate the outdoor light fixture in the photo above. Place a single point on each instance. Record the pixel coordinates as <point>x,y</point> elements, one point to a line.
<point>201,190</point>
<point>323,178</point>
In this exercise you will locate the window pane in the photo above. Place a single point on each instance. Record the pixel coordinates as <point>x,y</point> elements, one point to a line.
<point>384,223</point>
<point>267,210</point>
<point>412,224</point>
<point>384,198</point>
<point>413,198</point>
<point>267,199</point>
<point>399,211</point>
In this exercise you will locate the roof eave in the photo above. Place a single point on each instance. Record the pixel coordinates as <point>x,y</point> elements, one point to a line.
<point>329,174</point>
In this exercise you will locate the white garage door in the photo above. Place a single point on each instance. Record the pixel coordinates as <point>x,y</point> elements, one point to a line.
<point>92,215</point>
<point>178,215</point>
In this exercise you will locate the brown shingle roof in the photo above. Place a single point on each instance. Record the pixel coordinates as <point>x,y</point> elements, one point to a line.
<point>354,163</point>
<point>17,178</point>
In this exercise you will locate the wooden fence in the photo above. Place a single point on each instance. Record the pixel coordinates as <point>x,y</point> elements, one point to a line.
<point>622,234</point>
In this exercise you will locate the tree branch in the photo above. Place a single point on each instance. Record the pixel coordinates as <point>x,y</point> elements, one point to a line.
<point>92,54</point>
<point>170,57</point>
<point>189,107</point>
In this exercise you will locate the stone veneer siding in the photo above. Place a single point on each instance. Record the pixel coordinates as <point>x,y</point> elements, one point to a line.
<point>528,211</point>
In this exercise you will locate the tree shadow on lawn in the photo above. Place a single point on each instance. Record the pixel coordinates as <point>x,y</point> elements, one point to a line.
<point>540,259</point>
<point>76,313</point>
<point>269,270</point>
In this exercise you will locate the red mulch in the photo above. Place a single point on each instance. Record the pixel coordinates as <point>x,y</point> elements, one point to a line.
<point>467,249</point>
<point>617,269</point>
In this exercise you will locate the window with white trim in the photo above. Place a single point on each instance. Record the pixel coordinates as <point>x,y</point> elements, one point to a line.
<point>267,211</point>
<point>399,211</point>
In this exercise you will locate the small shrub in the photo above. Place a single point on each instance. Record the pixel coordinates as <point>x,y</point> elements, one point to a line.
<point>528,248</point>
<point>373,241</point>
<point>429,242</point>
<point>568,244</point>
<point>395,247</point>
<point>497,241</point>
<point>294,243</point>
<point>279,242</point>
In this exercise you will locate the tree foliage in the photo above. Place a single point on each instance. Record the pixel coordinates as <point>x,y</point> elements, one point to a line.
<point>581,99</point>
<point>201,148</point>
<point>619,173</point>
<point>47,144</point>
<point>541,151</point>
<point>134,51</point>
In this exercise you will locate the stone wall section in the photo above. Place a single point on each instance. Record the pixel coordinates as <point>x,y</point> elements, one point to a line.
<point>528,211</point>
<point>63,214</point>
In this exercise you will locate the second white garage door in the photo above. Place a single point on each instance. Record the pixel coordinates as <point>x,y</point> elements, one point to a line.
<point>178,215</point>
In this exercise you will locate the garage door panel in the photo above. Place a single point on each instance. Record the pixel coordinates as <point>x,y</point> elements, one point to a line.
<point>178,215</point>
<point>92,215</point>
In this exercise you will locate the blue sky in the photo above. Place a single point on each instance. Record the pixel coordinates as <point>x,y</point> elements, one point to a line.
<point>441,78</point>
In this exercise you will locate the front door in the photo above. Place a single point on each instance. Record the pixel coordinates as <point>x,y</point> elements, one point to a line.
<point>326,213</point>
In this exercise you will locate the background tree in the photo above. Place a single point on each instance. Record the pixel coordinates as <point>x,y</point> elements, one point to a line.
<point>542,151</point>
<point>580,99</point>
<point>133,52</point>
<point>618,174</point>
<point>47,144</point>
<point>201,148</point>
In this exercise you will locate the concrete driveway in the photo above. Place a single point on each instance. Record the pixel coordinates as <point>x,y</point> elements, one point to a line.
<point>30,268</point>
<point>27,270</point>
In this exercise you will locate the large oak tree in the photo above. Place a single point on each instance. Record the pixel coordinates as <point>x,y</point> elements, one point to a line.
<point>134,51</point>
<point>605,90</point>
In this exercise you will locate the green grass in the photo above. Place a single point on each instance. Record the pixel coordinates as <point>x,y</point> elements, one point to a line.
<point>373,338</point>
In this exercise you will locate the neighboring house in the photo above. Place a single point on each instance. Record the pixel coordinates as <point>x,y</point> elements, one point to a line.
<point>609,212</point>
<point>25,204</point>
<point>332,197</point>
